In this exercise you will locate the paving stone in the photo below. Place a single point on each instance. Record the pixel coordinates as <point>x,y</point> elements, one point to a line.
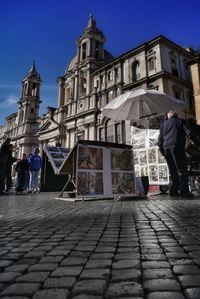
<point>153,257</point>
<point>188,281</point>
<point>5,263</point>
<point>125,264</point>
<point>67,271</point>
<point>33,277</point>
<point>126,289</point>
<point>58,252</point>
<point>186,270</point>
<point>165,295</point>
<point>157,273</point>
<point>175,262</point>
<point>126,275</point>
<point>161,285</point>
<point>98,263</point>
<point>8,276</point>
<point>105,249</point>
<point>97,273</point>
<point>127,256</point>
<point>60,282</point>
<point>87,296</point>
<point>74,261</point>
<point>51,294</point>
<point>51,259</point>
<point>17,268</point>
<point>155,265</point>
<point>192,293</point>
<point>43,267</point>
<point>92,286</point>
<point>14,297</point>
<point>107,255</point>
<point>25,289</point>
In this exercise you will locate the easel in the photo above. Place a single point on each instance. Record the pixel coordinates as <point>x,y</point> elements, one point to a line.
<point>69,181</point>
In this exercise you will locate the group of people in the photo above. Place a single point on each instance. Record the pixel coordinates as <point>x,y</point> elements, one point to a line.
<point>27,168</point>
<point>172,144</point>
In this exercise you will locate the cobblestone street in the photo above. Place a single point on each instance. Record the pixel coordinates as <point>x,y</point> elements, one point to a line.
<point>146,249</point>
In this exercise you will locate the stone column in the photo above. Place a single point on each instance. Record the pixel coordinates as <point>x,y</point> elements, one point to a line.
<point>61,92</point>
<point>195,70</point>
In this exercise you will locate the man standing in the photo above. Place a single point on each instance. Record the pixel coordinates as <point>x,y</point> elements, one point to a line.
<point>171,142</point>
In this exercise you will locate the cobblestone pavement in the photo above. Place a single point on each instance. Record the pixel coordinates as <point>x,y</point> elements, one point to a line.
<point>146,249</point>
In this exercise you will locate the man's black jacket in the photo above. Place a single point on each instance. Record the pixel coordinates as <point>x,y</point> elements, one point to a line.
<point>173,134</point>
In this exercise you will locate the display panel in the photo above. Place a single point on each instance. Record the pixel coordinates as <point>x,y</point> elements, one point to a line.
<point>121,159</point>
<point>90,158</point>
<point>56,155</point>
<point>90,183</point>
<point>122,183</point>
<point>148,161</point>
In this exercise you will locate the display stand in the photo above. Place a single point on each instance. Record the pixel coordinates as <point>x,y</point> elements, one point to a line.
<point>98,170</point>
<point>52,159</point>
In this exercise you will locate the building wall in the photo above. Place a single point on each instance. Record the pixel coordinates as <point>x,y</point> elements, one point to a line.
<point>87,86</point>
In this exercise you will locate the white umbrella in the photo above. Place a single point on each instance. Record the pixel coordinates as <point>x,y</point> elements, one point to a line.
<point>140,103</point>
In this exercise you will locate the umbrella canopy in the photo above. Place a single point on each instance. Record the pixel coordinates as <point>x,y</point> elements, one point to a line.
<point>140,103</point>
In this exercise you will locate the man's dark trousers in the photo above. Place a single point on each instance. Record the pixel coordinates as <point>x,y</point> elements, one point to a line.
<point>177,164</point>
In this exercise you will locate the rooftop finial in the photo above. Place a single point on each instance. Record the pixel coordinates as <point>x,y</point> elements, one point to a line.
<point>92,21</point>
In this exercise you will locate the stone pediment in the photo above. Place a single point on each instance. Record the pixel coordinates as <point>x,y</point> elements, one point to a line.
<point>49,125</point>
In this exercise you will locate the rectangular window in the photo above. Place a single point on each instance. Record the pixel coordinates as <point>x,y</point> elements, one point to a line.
<point>101,134</point>
<point>151,63</point>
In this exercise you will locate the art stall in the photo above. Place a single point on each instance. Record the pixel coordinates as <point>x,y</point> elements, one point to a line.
<point>53,157</point>
<point>148,160</point>
<point>96,170</point>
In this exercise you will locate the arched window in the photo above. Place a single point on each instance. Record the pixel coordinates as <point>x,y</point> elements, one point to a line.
<point>135,70</point>
<point>110,76</point>
<point>177,92</point>
<point>84,48</point>
<point>110,131</point>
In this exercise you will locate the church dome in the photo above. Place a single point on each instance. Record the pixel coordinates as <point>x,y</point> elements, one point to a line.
<point>72,64</point>
<point>108,57</point>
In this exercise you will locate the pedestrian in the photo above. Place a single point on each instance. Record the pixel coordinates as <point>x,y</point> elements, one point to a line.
<point>35,164</point>
<point>171,142</point>
<point>9,163</point>
<point>4,153</point>
<point>22,169</point>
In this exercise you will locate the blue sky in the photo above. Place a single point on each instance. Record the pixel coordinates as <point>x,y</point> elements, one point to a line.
<point>46,31</point>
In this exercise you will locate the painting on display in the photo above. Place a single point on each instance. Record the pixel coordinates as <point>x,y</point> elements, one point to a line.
<point>152,157</point>
<point>90,158</point>
<point>122,183</point>
<point>153,173</point>
<point>121,159</point>
<point>90,183</point>
<point>153,137</point>
<point>139,138</point>
<point>144,171</point>
<point>143,157</point>
<point>163,173</point>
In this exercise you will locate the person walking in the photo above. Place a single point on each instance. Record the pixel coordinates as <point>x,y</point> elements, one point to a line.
<point>9,163</point>
<point>4,153</point>
<point>22,169</point>
<point>171,142</point>
<point>35,164</point>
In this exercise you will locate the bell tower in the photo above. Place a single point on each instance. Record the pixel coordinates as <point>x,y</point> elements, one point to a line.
<point>91,43</point>
<point>29,102</point>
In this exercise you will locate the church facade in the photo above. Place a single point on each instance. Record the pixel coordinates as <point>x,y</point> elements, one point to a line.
<point>91,80</point>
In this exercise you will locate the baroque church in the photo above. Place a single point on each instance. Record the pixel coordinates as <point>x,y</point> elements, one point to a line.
<point>91,80</point>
